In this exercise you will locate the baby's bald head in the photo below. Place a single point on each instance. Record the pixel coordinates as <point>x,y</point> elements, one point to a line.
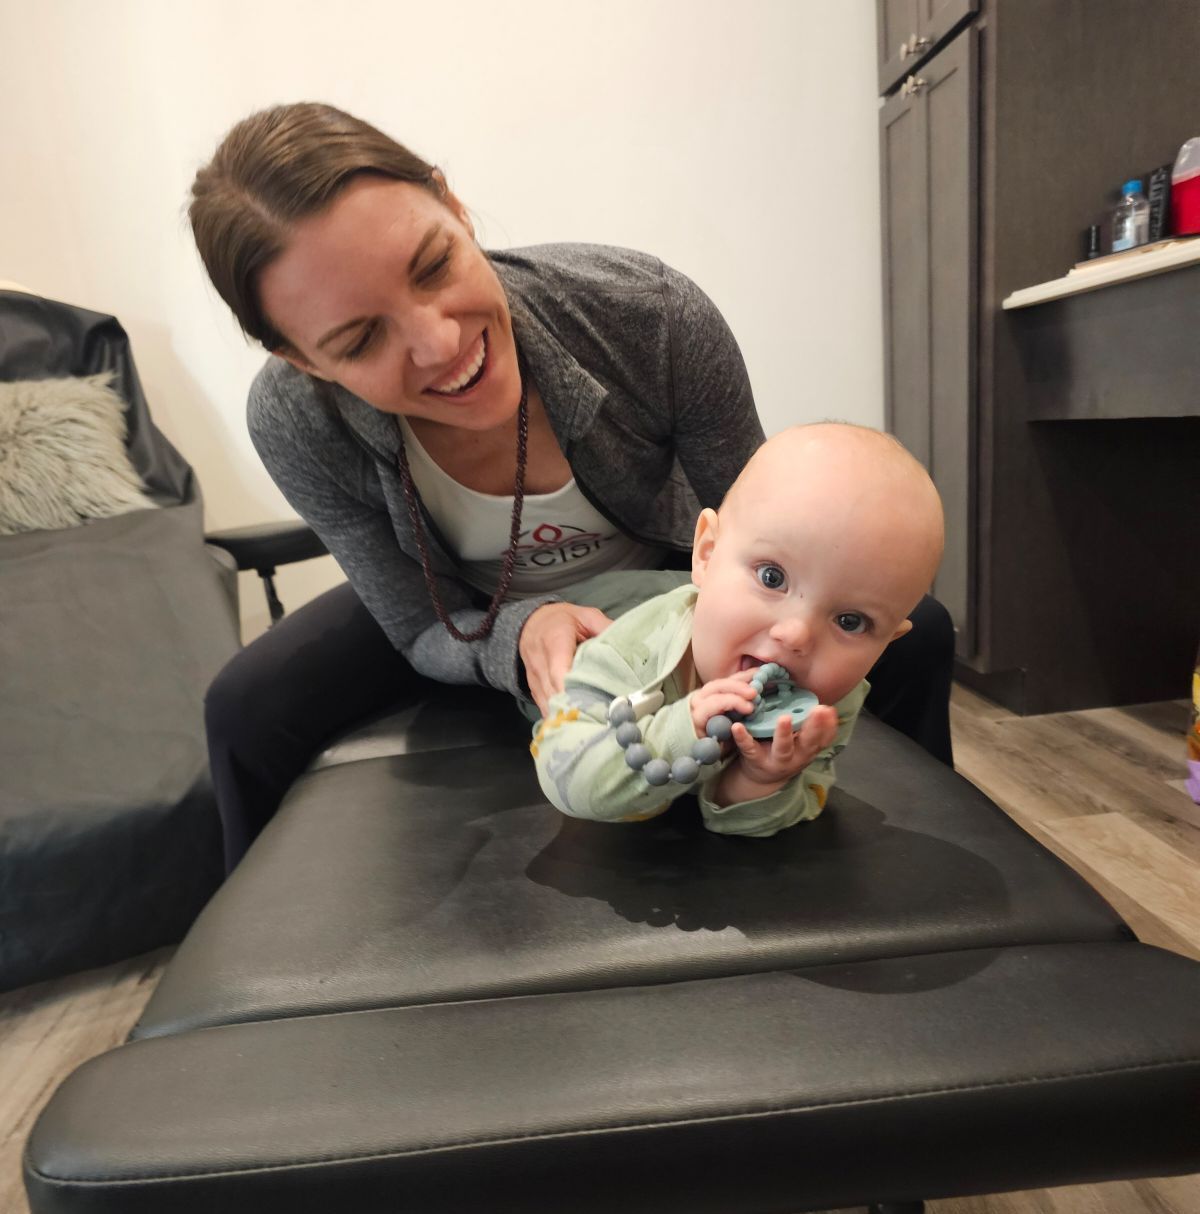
<point>820,551</point>
<point>864,488</point>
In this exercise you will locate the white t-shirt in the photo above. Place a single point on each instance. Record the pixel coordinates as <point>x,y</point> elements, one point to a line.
<point>563,537</point>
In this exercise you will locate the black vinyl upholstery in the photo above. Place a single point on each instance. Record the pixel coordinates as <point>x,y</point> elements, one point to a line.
<point>478,890</point>
<point>424,990</point>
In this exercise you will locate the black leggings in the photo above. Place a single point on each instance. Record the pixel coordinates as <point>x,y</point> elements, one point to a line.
<point>328,665</point>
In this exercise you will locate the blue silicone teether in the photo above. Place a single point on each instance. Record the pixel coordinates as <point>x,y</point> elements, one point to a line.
<point>775,695</point>
<point>779,696</point>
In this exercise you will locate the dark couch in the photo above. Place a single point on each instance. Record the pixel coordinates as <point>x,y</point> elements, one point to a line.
<point>425,990</point>
<point>109,633</point>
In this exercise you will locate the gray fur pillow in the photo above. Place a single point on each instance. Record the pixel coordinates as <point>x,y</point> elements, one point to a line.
<point>62,454</point>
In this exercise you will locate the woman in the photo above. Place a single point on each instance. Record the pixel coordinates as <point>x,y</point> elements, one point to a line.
<point>469,433</point>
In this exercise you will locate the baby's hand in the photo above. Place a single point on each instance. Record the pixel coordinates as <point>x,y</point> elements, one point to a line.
<point>732,694</point>
<point>762,768</point>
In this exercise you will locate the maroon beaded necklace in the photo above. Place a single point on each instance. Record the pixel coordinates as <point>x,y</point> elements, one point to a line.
<point>510,557</point>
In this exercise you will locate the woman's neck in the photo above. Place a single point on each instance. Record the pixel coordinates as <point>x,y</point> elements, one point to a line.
<point>486,460</point>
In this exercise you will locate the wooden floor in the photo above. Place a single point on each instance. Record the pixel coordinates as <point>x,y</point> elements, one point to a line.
<point>1103,789</point>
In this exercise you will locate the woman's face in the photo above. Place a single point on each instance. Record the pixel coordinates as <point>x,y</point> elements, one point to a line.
<point>386,293</point>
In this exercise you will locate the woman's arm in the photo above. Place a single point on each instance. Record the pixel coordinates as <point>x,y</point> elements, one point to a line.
<point>333,485</point>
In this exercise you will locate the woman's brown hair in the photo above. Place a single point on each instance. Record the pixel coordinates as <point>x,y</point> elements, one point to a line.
<point>272,169</point>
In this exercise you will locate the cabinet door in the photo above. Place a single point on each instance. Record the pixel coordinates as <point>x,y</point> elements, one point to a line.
<point>896,23</point>
<point>905,203</point>
<point>928,140</point>
<point>909,31</point>
<point>938,19</point>
<point>950,100</point>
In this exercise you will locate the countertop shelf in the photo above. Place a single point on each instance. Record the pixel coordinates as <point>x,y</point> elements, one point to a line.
<point>1166,255</point>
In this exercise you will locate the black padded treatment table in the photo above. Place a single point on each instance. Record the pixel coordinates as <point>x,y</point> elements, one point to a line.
<point>426,991</point>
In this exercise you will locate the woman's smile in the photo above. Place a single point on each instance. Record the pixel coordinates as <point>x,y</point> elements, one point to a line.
<point>466,373</point>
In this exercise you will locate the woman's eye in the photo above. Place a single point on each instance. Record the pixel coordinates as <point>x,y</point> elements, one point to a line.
<point>852,622</point>
<point>366,339</point>
<point>772,577</point>
<point>435,271</point>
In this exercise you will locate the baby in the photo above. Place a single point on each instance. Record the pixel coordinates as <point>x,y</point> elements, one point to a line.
<point>823,546</point>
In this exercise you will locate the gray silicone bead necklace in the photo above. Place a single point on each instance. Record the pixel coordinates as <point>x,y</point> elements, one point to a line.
<point>775,694</point>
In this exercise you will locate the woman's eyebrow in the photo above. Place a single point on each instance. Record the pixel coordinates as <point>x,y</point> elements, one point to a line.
<point>426,241</point>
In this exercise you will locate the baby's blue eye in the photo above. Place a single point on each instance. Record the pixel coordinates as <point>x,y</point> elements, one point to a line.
<point>772,577</point>
<point>852,622</point>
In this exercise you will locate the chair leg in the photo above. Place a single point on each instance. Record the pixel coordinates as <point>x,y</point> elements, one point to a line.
<point>273,604</point>
<point>897,1207</point>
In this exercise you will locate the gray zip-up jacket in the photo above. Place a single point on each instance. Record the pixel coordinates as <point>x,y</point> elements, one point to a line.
<point>645,389</point>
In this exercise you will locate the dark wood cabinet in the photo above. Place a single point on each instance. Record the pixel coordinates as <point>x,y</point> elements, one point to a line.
<point>1069,571</point>
<point>911,30</point>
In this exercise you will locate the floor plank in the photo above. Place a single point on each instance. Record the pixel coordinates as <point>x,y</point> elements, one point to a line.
<point>1154,874</point>
<point>48,1030</point>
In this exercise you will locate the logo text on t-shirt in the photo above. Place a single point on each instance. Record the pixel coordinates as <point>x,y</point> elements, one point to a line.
<point>556,544</point>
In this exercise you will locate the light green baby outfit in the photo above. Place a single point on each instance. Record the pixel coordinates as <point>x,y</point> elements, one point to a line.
<point>582,768</point>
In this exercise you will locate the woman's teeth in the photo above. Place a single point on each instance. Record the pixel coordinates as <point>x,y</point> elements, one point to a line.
<point>467,374</point>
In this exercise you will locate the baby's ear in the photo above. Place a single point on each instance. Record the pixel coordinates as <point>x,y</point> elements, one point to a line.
<point>703,544</point>
<point>905,627</point>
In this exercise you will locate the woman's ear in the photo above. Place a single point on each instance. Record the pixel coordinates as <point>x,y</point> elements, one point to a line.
<point>707,526</point>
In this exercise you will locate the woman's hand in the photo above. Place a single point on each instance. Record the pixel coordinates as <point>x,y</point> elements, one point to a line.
<point>548,642</point>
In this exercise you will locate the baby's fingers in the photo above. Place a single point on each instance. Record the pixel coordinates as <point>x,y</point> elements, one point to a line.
<point>820,729</point>
<point>783,744</point>
<point>745,741</point>
<point>720,697</point>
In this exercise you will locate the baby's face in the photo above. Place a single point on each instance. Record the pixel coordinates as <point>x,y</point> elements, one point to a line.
<point>817,572</point>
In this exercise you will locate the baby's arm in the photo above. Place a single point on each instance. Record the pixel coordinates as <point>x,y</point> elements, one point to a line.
<point>764,767</point>
<point>774,784</point>
<point>581,766</point>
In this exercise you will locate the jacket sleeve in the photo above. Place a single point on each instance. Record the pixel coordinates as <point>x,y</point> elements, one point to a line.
<point>716,426</point>
<point>580,765</point>
<point>801,799</point>
<point>334,486</point>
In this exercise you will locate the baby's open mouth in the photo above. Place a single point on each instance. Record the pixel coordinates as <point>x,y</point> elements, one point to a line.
<point>750,662</point>
<point>468,373</point>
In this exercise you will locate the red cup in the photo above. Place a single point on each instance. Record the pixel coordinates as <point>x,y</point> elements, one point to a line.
<point>1185,206</point>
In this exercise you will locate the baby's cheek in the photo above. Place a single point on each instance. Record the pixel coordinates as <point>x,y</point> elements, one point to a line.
<point>837,681</point>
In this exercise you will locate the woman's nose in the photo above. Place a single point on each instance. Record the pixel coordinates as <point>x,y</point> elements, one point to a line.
<point>434,339</point>
<point>793,632</point>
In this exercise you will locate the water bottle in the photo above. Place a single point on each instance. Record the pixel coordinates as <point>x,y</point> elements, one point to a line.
<point>1131,219</point>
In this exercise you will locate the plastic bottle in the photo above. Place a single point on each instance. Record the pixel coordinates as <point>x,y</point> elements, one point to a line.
<point>1131,219</point>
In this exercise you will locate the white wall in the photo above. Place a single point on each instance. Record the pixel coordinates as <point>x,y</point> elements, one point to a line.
<point>735,139</point>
